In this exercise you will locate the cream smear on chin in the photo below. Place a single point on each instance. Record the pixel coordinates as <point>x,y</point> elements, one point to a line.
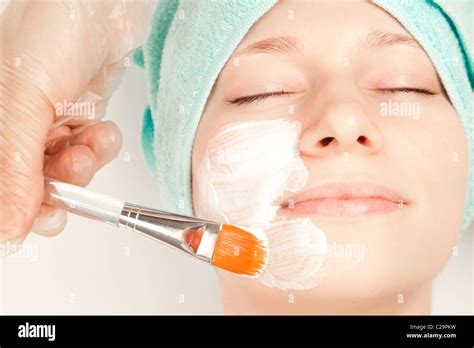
<point>246,168</point>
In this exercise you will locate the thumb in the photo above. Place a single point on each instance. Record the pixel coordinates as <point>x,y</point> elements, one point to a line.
<point>26,115</point>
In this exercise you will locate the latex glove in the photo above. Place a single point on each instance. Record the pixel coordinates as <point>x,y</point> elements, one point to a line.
<point>61,62</point>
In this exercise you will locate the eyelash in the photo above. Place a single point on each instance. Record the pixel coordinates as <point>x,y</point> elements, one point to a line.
<point>252,98</point>
<point>406,90</point>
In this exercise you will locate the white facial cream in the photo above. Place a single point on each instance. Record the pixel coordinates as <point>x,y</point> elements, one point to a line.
<point>246,168</point>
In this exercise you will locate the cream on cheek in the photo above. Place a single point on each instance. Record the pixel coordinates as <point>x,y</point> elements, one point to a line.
<point>246,168</point>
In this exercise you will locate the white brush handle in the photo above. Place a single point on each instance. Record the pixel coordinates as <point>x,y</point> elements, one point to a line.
<point>173,230</point>
<point>78,200</point>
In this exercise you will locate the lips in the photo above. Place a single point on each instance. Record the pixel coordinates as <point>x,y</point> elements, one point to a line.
<point>343,200</point>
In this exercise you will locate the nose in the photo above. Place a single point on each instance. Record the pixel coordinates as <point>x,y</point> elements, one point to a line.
<point>340,126</point>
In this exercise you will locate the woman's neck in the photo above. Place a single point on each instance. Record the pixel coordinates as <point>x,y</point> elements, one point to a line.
<point>243,296</point>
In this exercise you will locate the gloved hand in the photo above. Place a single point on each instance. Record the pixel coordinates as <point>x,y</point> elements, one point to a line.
<point>61,61</point>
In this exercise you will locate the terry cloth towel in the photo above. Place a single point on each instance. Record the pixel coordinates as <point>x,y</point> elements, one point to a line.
<point>191,40</point>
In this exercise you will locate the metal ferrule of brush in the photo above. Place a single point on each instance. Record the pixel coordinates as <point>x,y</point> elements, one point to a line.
<point>191,235</point>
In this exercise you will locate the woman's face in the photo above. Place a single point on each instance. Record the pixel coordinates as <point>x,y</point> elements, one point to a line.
<point>372,110</point>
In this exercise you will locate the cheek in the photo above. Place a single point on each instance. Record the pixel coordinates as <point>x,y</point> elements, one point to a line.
<point>442,177</point>
<point>197,154</point>
<point>246,167</point>
<point>432,153</point>
<point>439,161</point>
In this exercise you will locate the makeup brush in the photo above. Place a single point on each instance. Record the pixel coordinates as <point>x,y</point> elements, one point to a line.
<point>238,249</point>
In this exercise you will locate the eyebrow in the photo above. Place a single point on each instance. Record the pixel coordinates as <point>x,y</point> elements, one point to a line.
<point>276,44</point>
<point>376,38</point>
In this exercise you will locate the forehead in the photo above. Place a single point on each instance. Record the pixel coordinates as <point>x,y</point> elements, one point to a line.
<point>321,25</point>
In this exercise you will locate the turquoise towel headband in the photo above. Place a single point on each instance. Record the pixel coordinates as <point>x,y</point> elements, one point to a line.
<point>191,40</point>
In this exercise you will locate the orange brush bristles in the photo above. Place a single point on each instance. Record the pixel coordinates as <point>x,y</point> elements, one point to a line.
<point>239,251</point>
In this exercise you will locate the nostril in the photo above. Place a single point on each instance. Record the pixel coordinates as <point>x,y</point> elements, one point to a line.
<point>363,140</point>
<point>326,141</point>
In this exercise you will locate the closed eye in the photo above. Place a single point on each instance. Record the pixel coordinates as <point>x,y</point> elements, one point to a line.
<point>252,98</point>
<point>405,90</point>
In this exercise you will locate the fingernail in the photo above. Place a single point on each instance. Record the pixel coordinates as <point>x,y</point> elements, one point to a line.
<point>109,136</point>
<point>50,223</point>
<point>81,164</point>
